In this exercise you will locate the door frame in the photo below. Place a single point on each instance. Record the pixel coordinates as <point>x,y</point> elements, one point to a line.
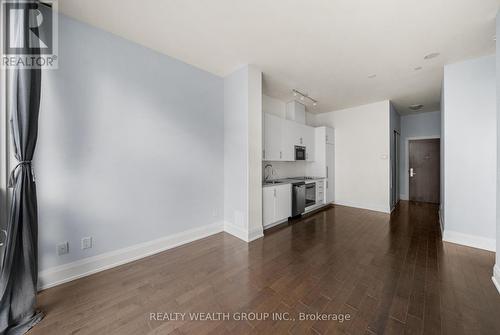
<point>407,157</point>
<point>396,159</point>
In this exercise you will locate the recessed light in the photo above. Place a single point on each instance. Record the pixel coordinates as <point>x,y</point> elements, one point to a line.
<point>416,107</point>
<point>418,68</point>
<point>315,104</point>
<point>372,76</point>
<point>495,38</point>
<point>432,55</point>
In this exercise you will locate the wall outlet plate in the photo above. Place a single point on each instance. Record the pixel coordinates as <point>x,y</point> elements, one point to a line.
<point>86,242</point>
<point>62,248</point>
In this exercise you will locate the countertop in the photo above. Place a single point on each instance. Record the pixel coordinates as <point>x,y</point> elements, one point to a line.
<point>285,181</point>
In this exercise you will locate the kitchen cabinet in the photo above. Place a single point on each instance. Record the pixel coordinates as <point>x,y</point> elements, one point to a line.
<point>273,129</point>
<point>329,135</point>
<point>324,161</point>
<point>276,203</point>
<point>280,137</point>
<point>330,173</point>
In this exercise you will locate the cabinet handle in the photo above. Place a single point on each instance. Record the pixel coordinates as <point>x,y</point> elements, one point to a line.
<point>264,153</point>
<point>326,137</point>
<point>281,155</point>
<point>327,184</point>
<point>327,172</point>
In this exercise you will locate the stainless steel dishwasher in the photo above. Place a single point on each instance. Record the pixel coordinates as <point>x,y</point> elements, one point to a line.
<point>298,198</point>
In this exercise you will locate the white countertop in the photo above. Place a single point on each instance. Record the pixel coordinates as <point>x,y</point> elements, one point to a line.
<point>284,181</point>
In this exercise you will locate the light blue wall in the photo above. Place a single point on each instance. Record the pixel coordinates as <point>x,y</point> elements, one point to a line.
<point>130,146</point>
<point>470,149</point>
<point>415,126</point>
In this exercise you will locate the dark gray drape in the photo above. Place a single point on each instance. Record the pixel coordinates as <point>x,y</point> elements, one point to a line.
<point>19,271</point>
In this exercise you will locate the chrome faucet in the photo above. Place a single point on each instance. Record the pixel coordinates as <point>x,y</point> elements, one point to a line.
<point>266,176</point>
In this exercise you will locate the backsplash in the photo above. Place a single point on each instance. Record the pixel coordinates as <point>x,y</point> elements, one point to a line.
<point>285,169</point>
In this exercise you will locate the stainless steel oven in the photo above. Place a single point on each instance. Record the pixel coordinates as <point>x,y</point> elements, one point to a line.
<point>310,194</point>
<point>300,153</point>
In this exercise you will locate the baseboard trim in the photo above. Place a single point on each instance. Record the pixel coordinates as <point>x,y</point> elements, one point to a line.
<point>496,277</point>
<point>243,234</point>
<point>85,267</point>
<point>441,221</point>
<point>469,240</point>
<point>385,210</point>
<point>403,197</point>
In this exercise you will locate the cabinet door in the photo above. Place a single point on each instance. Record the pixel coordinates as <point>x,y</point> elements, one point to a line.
<point>268,205</point>
<point>330,173</point>
<point>308,140</point>
<point>283,202</point>
<point>289,139</point>
<point>272,138</point>
<point>330,135</point>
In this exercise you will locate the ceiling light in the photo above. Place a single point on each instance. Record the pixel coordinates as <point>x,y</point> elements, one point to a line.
<point>304,96</point>
<point>418,68</point>
<point>416,107</point>
<point>432,55</point>
<point>372,76</point>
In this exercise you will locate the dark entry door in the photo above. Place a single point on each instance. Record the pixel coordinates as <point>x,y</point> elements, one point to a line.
<point>424,170</point>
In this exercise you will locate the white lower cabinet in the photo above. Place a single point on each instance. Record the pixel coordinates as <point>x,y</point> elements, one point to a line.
<point>276,203</point>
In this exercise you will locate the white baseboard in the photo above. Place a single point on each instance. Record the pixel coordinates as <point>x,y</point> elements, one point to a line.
<point>441,220</point>
<point>403,197</point>
<point>241,233</point>
<point>275,224</point>
<point>376,208</point>
<point>496,277</point>
<point>87,266</point>
<point>469,240</point>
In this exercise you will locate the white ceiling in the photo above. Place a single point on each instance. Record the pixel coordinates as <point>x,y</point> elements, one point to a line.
<point>326,48</point>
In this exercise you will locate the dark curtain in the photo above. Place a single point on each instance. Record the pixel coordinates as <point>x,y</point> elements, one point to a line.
<point>19,271</point>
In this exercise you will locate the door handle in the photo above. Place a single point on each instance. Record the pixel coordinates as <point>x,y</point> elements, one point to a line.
<point>412,173</point>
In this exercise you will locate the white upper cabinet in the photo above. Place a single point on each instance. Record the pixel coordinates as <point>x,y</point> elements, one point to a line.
<point>273,130</point>
<point>330,135</point>
<point>295,111</point>
<point>280,137</point>
<point>308,142</point>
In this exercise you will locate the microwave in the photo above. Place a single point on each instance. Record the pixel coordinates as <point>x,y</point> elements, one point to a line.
<point>300,153</point>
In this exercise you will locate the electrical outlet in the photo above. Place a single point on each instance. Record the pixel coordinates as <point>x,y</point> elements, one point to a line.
<point>62,248</point>
<point>87,242</point>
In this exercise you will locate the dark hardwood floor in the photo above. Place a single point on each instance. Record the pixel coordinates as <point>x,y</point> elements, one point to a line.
<point>391,275</point>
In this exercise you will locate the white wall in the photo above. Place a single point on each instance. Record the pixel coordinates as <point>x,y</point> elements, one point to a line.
<point>362,148</point>
<point>421,125</point>
<point>469,120</point>
<point>243,153</point>
<point>130,146</point>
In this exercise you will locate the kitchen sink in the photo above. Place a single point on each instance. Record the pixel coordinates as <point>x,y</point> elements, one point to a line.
<point>272,182</point>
